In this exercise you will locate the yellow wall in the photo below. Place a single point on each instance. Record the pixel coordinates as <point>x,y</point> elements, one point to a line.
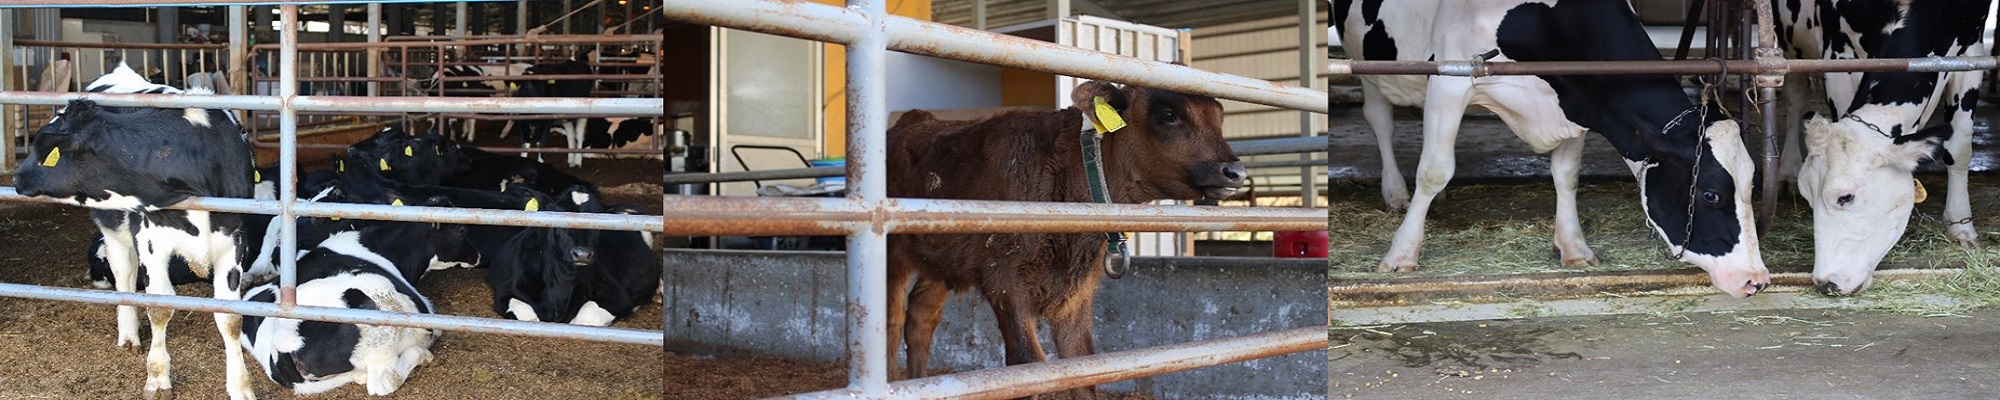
<point>834,104</point>
<point>1020,87</point>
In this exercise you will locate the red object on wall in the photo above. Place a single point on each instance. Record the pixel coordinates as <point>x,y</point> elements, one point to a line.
<point>1299,244</point>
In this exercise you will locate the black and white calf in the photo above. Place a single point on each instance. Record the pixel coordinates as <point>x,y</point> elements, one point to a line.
<point>1856,172</point>
<point>370,265</point>
<point>578,276</point>
<point>1692,171</point>
<point>126,163</point>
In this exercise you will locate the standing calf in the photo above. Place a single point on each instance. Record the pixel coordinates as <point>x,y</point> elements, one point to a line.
<point>128,162</point>
<point>1172,149</point>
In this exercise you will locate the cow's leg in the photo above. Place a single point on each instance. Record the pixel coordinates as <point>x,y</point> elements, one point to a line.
<point>155,257</point>
<point>926,312</point>
<point>900,273</point>
<point>123,258</point>
<point>226,276</point>
<point>1071,326</point>
<point>1376,109</point>
<point>1564,164</point>
<point>1444,106</point>
<point>1016,315</point>
<point>576,141</point>
<point>1957,205</point>
<point>471,130</point>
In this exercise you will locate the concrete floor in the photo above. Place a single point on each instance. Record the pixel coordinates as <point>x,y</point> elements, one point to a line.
<point>1780,354</point>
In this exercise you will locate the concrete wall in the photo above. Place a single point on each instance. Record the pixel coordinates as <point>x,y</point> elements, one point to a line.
<point>789,304</point>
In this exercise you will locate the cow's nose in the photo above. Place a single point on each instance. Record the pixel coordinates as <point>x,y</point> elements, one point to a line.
<point>1829,288</point>
<point>580,255</point>
<point>1234,172</point>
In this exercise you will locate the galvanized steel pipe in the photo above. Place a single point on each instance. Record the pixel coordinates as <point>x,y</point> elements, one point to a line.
<point>288,155</point>
<point>846,25</point>
<point>341,315</point>
<point>538,105</point>
<point>868,172</point>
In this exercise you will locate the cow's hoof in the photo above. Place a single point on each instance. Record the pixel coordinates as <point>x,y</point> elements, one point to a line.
<point>1965,235</point>
<point>1396,266</point>
<point>1588,261</point>
<point>160,394</point>
<point>1397,204</point>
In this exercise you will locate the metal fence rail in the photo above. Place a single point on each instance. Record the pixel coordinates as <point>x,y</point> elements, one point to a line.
<point>867,216</point>
<point>1243,148</point>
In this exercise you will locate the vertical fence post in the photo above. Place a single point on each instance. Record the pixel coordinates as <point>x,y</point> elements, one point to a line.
<point>239,58</point>
<point>868,247</point>
<point>288,129</point>
<point>7,118</point>
<point>1308,186</point>
<point>374,66</point>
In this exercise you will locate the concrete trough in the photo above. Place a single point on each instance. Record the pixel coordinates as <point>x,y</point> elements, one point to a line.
<point>790,304</point>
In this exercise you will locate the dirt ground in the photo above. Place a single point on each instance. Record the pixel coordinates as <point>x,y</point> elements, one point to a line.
<point>1788,354</point>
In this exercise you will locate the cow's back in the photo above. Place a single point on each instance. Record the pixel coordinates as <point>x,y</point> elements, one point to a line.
<point>1008,156</point>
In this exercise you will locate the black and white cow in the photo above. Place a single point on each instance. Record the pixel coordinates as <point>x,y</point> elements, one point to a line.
<point>1856,170</point>
<point>577,276</point>
<point>619,133</point>
<point>1678,156</point>
<point>487,88</point>
<point>370,265</point>
<point>127,162</point>
<point>535,132</point>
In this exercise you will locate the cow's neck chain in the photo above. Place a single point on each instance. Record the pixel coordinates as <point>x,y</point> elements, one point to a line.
<point>1871,126</point>
<point>1093,176</point>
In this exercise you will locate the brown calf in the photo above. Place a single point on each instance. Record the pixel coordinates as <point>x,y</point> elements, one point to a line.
<point>1171,149</point>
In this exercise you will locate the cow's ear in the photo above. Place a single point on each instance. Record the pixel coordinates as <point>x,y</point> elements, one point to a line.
<point>1819,132</point>
<point>1926,144</point>
<point>1081,98</point>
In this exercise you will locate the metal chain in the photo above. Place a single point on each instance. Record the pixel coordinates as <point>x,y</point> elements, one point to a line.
<point>1877,129</point>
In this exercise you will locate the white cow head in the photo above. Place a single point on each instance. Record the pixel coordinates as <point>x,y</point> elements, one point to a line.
<point>1723,239</point>
<point>1858,183</point>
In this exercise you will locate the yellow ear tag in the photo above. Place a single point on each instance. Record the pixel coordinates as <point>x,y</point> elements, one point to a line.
<point>552,81</point>
<point>1107,120</point>
<point>1921,193</point>
<point>534,205</point>
<point>384,163</point>
<point>407,152</point>
<point>55,154</point>
<point>256,176</point>
<point>340,165</point>
<point>397,202</point>
<point>513,86</point>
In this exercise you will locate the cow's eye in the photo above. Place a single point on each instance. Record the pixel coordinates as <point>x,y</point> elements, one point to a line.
<point>1711,198</point>
<point>1167,117</point>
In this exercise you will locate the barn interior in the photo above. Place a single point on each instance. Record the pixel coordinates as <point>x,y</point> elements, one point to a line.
<point>1492,311</point>
<point>746,114</point>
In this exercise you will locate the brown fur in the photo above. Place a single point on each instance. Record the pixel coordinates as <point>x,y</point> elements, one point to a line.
<point>1036,156</point>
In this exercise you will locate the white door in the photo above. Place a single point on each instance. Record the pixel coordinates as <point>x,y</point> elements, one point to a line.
<point>768,95</point>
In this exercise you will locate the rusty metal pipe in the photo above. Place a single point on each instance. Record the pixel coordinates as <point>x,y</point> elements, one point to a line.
<point>1070,373</point>
<point>146,46</point>
<point>341,315</point>
<point>1688,67</point>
